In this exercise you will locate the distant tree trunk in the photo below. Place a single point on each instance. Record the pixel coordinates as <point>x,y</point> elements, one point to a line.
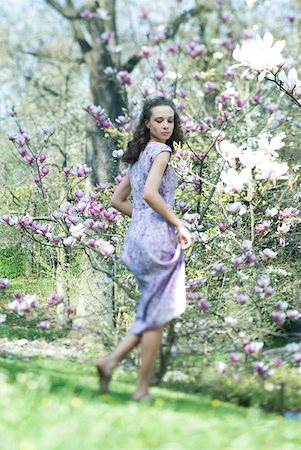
<point>104,90</point>
<point>165,354</point>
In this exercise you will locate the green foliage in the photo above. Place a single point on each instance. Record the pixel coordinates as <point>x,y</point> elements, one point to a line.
<point>51,404</point>
<point>26,328</point>
<point>12,261</point>
<point>279,393</point>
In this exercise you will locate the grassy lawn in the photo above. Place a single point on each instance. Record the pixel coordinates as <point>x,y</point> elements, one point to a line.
<point>52,404</point>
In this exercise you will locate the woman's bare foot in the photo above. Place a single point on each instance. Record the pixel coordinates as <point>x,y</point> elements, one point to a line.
<point>105,369</point>
<point>139,395</point>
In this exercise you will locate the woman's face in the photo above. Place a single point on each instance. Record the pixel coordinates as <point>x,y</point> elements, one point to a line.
<point>161,123</point>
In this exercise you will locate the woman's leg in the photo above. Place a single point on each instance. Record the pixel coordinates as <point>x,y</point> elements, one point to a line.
<point>150,345</point>
<point>105,366</point>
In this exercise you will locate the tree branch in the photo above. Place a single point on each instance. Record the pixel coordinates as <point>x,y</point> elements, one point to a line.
<point>71,13</point>
<point>68,12</point>
<point>170,32</point>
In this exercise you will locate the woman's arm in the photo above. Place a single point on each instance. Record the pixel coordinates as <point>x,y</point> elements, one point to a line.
<point>120,197</point>
<point>155,200</point>
<point>151,189</point>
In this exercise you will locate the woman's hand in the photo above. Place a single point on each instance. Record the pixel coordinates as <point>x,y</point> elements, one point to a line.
<point>185,237</point>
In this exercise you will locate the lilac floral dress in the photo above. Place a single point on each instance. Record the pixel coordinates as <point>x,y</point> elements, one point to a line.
<point>151,251</point>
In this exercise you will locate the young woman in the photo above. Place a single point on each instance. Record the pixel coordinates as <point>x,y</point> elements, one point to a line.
<point>151,250</point>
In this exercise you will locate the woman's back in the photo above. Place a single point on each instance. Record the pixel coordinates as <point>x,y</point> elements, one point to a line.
<point>139,171</point>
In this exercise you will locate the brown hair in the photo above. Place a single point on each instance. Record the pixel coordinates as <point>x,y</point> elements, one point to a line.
<point>142,134</point>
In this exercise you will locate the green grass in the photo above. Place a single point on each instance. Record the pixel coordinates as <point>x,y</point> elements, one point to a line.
<point>52,404</point>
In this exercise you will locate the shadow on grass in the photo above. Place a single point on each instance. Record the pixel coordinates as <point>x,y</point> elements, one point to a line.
<point>74,380</point>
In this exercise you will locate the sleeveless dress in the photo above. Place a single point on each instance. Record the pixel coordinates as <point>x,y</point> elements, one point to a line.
<point>151,251</point>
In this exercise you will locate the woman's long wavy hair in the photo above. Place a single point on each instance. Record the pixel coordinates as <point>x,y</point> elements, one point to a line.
<point>142,134</point>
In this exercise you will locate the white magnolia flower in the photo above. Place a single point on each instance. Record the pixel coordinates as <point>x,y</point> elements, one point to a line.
<point>271,170</point>
<point>117,153</point>
<point>234,180</point>
<point>250,158</point>
<point>259,54</point>
<point>77,231</point>
<point>271,212</point>
<point>270,148</point>
<point>106,249</point>
<point>228,151</point>
<point>291,81</point>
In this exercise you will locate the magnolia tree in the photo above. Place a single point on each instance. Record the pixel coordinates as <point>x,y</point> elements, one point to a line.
<point>234,194</point>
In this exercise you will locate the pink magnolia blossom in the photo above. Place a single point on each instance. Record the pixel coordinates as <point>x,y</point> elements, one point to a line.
<point>81,206</point>
<point>146,51</point>
<point>193,282</point>
<point>256,99</point>
<point>92,243</point>
<point>195,48</point>
<point>270,107</point>
<point>283,228</point>
<point>70,309</point>
<point>89,223</point>
<point>43,325</point>
<point>124,78</point>
<point>109,71</point>
<point>242,298</point>
<point>222,227</point>
<point>250,258</point>
<point>246,245</point>
<point>42,157</point>
<point>80,170</point>
<point>7,220</point>
<point>44,170</point>
<point>253,348</point>
<point>297,358</point>
<point>44,229</point>
<point>69,241</point>
<point>56,215</point>
<point>55,299</point>
<point>86,14</point>
<point>288,212</point>
<point>259,367</point>
<point>77,231</point>
<point>234,358</point>
<point>219,135</point>
<point>106,249</point>
<point>293,314</point>
<point>22,151</point>
<point>281,305</point>
<point>4,283</point>
<point>72,220</point>
<point>218,268</point>
<point>267,253</point>
<point>278,317</point>
<point>29,159</point>
<point>54,239</point>
<point>204,305</point>
<point>236,208</point>
<point>107,36</point>
<point>265,225</point>
<point>237,260</point>
<point>14,306</point>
